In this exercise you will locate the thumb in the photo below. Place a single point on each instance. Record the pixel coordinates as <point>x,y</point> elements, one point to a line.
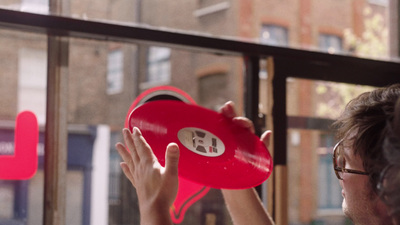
<point>172,159</point>
<point>265,138</point>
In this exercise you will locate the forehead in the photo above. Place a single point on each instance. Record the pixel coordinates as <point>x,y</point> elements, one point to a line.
<point>346,149</point>
<point>350,153</point>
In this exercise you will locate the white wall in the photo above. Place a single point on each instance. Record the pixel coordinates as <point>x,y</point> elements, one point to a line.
<point>100,174</point>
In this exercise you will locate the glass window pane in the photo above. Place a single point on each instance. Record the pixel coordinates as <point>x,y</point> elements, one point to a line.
<point>23,83</point>
<point>115,72</point>
<point>314,191</point>
<point>105,78</point>
<point>96,116</point>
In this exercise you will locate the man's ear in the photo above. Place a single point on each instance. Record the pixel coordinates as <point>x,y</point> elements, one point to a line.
<point>383,211</point>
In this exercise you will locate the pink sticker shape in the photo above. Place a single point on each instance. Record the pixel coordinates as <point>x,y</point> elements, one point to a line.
<point>188,193</point>
<point>23,164</point>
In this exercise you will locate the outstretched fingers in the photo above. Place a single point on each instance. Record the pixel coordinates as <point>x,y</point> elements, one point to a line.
<point>130,145</point>
<point>266,138</point>
<point>228,110</point>
<point>127,165</point>
<point>128,172</point>
<point>172,159</point>
<point>136,151</point>
<point>143,149</point>
<point>244,122</point>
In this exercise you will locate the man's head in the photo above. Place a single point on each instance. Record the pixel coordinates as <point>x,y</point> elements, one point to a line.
<point>389,182</point>
<point>362,127</point>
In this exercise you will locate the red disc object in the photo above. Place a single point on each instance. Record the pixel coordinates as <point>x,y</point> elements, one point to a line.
<point>213,150</point>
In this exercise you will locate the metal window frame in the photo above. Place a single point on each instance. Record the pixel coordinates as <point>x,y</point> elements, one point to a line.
<point>286,63</point>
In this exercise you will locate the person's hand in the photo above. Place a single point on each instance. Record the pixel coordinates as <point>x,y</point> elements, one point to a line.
<point>244,205</point>
<point>228,110</point>
<point>156,186</point>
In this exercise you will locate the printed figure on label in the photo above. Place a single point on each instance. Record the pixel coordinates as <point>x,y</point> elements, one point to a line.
<point>201,142</point>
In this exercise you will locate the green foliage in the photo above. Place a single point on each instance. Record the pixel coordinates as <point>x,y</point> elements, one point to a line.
<point>373,43</point>
<point>333,97</point>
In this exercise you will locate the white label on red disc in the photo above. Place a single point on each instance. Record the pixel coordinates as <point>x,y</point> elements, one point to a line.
<point>201,141</point>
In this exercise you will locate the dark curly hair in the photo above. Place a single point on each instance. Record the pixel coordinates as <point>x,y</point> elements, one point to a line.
<point>362,125</point>
<point>389,183</point>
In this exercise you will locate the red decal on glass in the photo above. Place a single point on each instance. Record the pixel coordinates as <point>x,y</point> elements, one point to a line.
<point>23,164</point>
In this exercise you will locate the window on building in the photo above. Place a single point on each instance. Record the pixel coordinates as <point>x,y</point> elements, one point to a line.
<point>159,65</point>
<point>6,200</point>
<point>35,6</point>
<point>115,72</point>
<point>274,35</point>
<point>212,90</point>
<point>329,194</point>
<point>115,172</point>
<point>32,70</point>
<point>330,43</point>
<point>379,2</point>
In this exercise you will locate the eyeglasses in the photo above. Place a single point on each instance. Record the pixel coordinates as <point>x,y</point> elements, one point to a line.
<point>339,162</point>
